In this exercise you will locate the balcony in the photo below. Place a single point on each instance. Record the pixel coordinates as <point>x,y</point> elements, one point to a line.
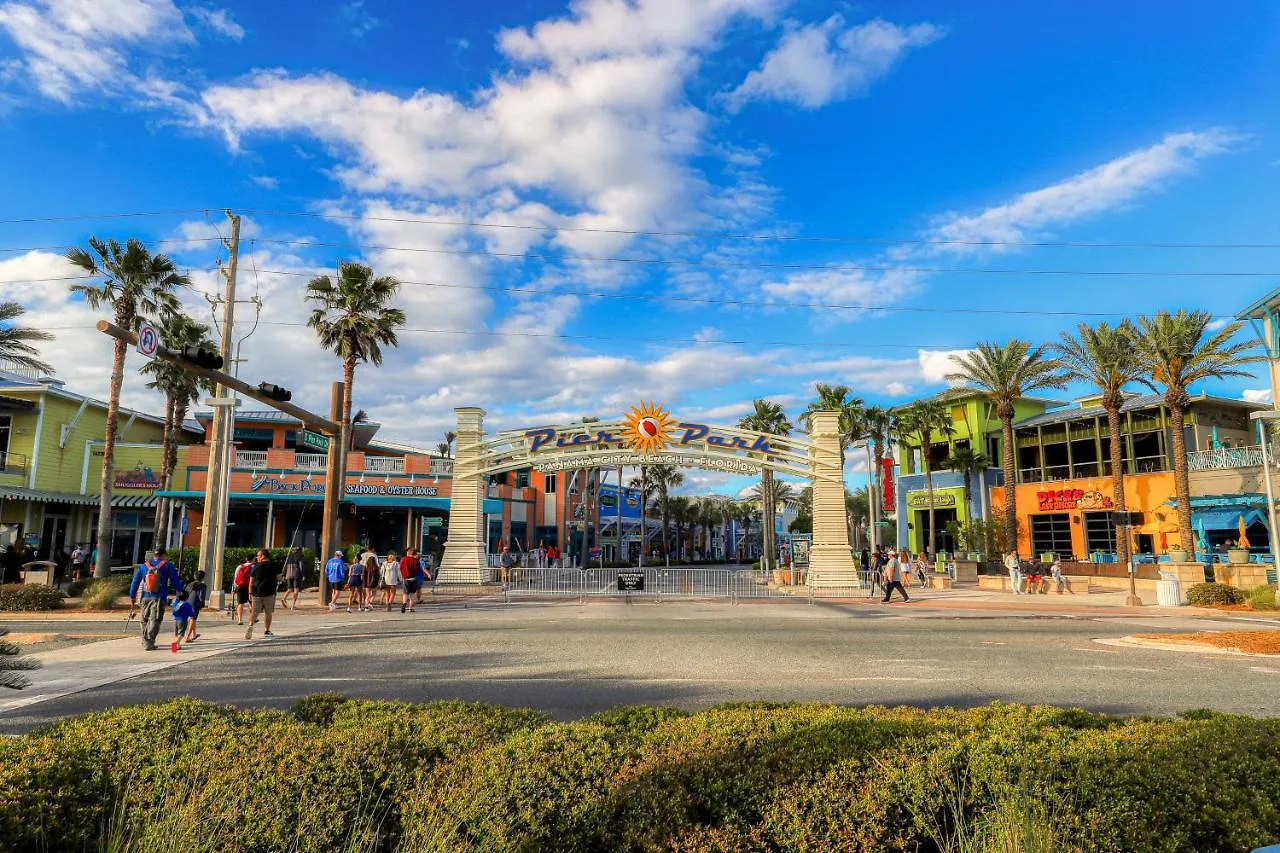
<point>251,459</point>
<point>310,461</point>
<point>384,464</point>
<point>1224,458</point>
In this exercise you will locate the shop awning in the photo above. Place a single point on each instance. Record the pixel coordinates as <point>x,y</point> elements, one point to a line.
<point>41,496</point>
<point>492,506</point>
<point>1226,519</point>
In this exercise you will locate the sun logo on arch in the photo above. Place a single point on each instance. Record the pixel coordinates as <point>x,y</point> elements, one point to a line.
<point>648,427</point>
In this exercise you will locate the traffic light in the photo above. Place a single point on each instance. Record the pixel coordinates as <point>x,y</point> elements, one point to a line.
<point>275,392</point>
<point>202,357</point>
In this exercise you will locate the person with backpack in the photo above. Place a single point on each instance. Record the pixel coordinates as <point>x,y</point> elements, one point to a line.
<point>240,590</point>
<point>152,583</point>
<point>335,570</point>
<point>293,575</point>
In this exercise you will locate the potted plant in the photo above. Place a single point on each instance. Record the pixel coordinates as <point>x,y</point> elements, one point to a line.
<point>1178,554</point>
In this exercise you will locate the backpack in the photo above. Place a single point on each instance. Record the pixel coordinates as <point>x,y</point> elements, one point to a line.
<point>152,583</point>
<point>242,575</point>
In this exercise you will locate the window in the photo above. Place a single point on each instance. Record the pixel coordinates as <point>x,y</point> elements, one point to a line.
<point>550,484</point>
<point>1051,532</point>
<point>1099,532</point>
<point>993,451</point>
<point>6,427</point>
<point>522,478</point>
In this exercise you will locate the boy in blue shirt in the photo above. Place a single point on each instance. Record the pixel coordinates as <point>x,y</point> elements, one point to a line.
<point>184,619</point>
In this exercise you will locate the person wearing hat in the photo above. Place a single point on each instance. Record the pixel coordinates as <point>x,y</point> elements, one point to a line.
<point>336,571</point>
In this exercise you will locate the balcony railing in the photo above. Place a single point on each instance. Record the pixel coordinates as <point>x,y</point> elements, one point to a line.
<point>251,459</point>
<point>310,461</point>
<point>1225,458</point>
<point>1141,465</point>
<point>440,467</point>
<point>384,464</point>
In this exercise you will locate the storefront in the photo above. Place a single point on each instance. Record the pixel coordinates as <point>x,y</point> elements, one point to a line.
<point>948,510</point>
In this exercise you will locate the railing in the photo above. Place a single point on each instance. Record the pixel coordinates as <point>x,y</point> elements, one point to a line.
<point>384,464</point>
<point>1141,465</point>
<point>310,461</point>
<point>441,466</point>
<point>1225,458</point>
<point>12,463</point>
<point>251,459</point>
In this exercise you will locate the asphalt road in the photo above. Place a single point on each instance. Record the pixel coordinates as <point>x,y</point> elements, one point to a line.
<point>572,659</point>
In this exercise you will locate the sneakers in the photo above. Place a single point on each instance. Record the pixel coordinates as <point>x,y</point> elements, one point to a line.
<point>402,607</point>
<point>333,607</point>
<point>267,635</point>
<point>248,634</point>
<point>148,647</point>
<point>348,609</point>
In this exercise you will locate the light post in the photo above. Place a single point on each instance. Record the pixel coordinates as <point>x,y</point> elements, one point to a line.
<point>1268,415</point>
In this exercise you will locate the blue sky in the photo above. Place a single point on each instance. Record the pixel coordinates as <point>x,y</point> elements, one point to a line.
<point>960,131</point>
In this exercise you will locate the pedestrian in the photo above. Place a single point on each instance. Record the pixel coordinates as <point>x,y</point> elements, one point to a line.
<point>293,575</point>
<point>922,571</point>
<point>1035,581</point>
<point>420,579</point>
<point>240,590</point>
<point>184,617</point>
<point>199,598</point>
<point>390,579</point>
<point>336,572</point>
<point>409,569</point>
<point>355,585</point>
<point>79,557</point>
<point>264,578</point>
<point>507,561</point>
<point>893,578</point>
<point>1014,566</point>
<point>1059,579</point>
<point>372,580</point>
<point>151,584</point>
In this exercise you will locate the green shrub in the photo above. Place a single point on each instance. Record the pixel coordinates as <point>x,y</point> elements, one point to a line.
<point>1262,597</point>
<point>1206,594</point>
<point>102,593</point>
<point>30,597</point>
<point>76,588</point>
<point>188,559</point>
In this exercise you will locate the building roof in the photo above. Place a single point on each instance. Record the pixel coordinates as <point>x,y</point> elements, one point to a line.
<point>400,447</point>
<point>1132,403</point>
<point>1258,310</point>
<point>12,380</point>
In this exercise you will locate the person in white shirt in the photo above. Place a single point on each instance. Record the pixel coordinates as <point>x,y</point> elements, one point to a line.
<point>1059,580</point>
<point>1015,571</point>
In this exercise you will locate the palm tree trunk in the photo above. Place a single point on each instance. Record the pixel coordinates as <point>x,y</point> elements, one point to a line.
<point>767,532</point>
<point>666,522</point>
<point>1182,484</point>
<point>1010,484</point>
<point>1117,482</point>
<point>344,441</point>
<point>162,504</point>
<point>968,489</point>
<point>103,568</point>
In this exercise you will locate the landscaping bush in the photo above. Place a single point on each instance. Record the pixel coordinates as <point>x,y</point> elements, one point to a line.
<point>189,561</point>
<point>1262,598</point>
<point>30,597</point>
<point>102,593</point>
<point>76,588</point>
<point>1207,594</point>
<point>341,774</point>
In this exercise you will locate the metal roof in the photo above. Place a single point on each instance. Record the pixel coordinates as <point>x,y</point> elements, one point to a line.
<point>16,381</point>
<point>1132,403</point>
<point>40,495</point>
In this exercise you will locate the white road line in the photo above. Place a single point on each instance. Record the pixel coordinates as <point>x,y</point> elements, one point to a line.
<point>1102,651</point>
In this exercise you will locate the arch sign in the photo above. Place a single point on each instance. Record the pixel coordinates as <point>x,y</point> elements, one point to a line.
<point>648,435</point>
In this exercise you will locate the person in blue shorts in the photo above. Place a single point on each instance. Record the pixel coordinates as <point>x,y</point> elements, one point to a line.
<point>184,620</point>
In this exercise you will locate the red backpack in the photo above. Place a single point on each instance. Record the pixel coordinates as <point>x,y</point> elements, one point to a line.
<point>152,582</point>
<point>242,574</point>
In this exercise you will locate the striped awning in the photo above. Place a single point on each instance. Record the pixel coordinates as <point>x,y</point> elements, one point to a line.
<point>16,493</point>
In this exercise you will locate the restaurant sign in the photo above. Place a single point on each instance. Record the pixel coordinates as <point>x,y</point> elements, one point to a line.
<point>920,500</point>
<point>140,477</point>
<point>1056,499</point>
<point>276,486</point>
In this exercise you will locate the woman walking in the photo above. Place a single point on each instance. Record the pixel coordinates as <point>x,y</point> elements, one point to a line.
<point>390,579</point>
<point>372,579</point>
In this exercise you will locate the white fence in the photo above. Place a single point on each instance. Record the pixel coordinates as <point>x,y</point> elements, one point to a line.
<point>1225,458</point>
<point>251,459</point>
<point>384,464</point>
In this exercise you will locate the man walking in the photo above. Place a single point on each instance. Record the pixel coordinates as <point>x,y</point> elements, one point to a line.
<point>336,571</point>
<point>893,579</point>
<point>263,580</point>
<point>153,580</point>
<point>78,559</point>
<point>409,568</point>
<point>1012,563</point>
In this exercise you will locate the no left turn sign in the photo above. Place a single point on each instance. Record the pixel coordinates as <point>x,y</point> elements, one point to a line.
<point>148,340</point>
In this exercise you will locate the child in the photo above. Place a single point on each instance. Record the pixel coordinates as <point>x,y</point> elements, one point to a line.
<point>183,620</point>
<point>199,597</point>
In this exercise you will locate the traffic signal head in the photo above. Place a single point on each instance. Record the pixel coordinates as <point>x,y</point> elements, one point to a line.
<point>202,357</point>
<point>275,392</point>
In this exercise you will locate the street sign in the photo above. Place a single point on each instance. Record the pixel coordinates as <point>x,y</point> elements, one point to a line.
<point>630,581</point>
<point>432,521</point>
<point>184,525</point>
<point>313,440</point>
<point>148,340</point>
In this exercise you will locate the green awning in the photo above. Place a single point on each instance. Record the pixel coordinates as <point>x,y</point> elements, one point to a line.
<point>41,496</point>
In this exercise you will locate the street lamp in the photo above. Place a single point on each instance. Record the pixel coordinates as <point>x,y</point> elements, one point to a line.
<point>1268,415</point>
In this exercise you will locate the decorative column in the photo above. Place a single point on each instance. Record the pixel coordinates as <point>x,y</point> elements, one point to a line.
<point>831,559</point>
<point>464,557</point>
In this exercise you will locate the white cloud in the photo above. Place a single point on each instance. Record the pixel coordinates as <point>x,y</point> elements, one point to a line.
<point>1220,323</point>
<point>72,45</point>
<point>219,21</point>
<point>265,181</point>
<point>820,63</point>
<point>936,364</point>
<point>1256,395</point>
<point>1103,188</point>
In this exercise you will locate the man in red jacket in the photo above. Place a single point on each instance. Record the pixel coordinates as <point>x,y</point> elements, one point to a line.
<point>409,575</point>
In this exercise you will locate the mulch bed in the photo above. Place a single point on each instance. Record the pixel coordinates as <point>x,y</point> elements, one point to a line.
<point>1251,642</point>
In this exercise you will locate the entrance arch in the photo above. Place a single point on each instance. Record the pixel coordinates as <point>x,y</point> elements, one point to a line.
<point>647,435</point>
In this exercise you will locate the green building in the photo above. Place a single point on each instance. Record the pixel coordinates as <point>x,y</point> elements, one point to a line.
<point>51,469</point>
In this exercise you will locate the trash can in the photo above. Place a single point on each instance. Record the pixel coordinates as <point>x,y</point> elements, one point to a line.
<point>1168,590</point>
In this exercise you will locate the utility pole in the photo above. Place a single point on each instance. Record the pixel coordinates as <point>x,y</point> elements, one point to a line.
<point>335,477</point>
<point>213,533</point>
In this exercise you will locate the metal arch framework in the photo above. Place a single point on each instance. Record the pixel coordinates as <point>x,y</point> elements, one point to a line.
<point>612,444</point>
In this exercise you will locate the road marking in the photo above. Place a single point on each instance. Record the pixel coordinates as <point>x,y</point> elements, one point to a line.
<point>991,643</point>
<point>1102,651</point>
<point>1264,669</point>
<point>1118,668</point>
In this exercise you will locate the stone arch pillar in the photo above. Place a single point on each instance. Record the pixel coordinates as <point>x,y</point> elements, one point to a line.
<point>464,557</point>
<point>830,559</point>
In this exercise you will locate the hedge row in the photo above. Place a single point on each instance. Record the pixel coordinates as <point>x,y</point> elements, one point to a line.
<point>337,774</point>
<point>188,559</point>
<point>30,597</point>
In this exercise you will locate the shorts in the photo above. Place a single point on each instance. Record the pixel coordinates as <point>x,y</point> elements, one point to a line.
<point>242,595</point>
<point>197,608</point>
<point>410,587</point>
<point>264,604</point>
<point>356,582</point>
<point>337,586</point>
<point>180,627</point>
<point>292,584</point>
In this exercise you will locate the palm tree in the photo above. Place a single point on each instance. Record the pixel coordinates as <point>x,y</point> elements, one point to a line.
<point>920,421</point>
<point>835,398</point>
<point>767,417</point>
<point>662,479</point>
<point>449,438</point>
<point>181,389</point>
<point>1175,351</point>
<point>354,322</point>
<point>967,462</point>
<point>135,284</point>
<point>16,348</point>
<point>1104,357</point>
<point>1003,374</point>
<point>681,510</point>
<point>442,449</point>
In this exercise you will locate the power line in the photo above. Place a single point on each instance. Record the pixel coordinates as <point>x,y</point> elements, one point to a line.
<point>88,216</point>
